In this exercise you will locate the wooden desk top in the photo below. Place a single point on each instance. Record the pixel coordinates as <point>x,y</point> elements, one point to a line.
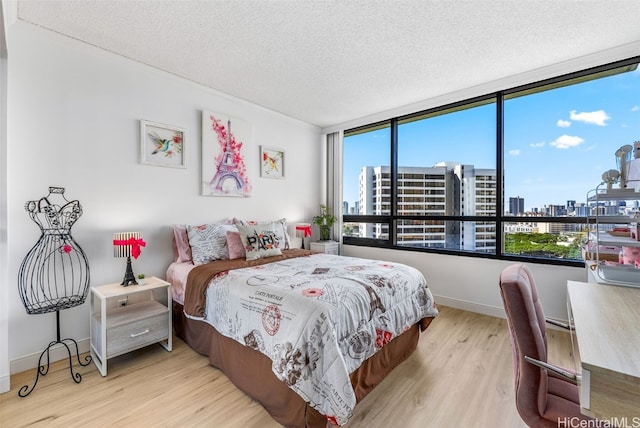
<point>607,328</point>
<point>607,319</point>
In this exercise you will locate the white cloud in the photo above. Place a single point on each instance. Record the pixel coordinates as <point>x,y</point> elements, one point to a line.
<point>515,152</point>
<point>563,123</point>
<point>635,108</point>
<point>567,141</point>
<point>537,145</point>
<point>598,117</point>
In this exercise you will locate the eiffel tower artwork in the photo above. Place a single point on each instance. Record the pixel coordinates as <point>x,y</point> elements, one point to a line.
<point>230,177</point>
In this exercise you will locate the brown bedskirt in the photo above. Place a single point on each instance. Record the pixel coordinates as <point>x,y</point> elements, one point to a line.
<point>251,372</point>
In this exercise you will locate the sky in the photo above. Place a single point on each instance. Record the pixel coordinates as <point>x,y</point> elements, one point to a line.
<point>557,142</point>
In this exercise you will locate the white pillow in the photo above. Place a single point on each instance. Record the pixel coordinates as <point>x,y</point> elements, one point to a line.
<point>208,242</point>
<point>278,226</point>
<point>260,240</point>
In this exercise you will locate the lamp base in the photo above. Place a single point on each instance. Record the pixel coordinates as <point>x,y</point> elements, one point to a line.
<point>129,277</point>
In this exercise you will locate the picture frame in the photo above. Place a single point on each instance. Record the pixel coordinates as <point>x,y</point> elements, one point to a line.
<point>162,145</point>
<point>224,170</point>
<point>272,162</point>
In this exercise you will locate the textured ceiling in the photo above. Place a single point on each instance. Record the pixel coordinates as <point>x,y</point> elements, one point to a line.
<point>329,62</point>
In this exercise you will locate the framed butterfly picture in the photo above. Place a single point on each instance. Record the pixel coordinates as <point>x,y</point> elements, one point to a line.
<point>271,162</point>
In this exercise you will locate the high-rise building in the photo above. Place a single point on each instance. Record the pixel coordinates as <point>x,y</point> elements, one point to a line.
<point>445,189</point>
<point>580,209</point>
<point>516,205</point>
<point>557,210</point>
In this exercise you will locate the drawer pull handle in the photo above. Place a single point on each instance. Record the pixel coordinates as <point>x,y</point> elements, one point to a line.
<point>139,334</point>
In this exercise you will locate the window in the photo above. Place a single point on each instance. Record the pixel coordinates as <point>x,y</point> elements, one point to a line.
<point>367,182</point>
<point>505,175</point>
<point>559,138</point>
<point>434,157</point>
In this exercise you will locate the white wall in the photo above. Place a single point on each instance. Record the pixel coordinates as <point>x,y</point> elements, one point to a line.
<point>73,121</point>
<point>4,319</point>
<point>471,283</point>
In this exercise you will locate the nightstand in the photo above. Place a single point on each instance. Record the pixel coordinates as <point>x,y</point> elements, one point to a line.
<point>124,319</point>
<point>328,247</point>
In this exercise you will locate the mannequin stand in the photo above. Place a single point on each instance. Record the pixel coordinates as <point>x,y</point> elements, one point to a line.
<point>43,370</point>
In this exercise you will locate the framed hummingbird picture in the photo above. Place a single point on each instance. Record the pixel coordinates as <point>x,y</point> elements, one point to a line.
<point>271,162</point>
<point>161,145</point>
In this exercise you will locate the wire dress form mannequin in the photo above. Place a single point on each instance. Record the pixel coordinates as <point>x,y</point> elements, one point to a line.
<point>55,273</point>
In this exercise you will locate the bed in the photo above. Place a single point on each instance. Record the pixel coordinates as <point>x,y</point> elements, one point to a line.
<point>306,335</point>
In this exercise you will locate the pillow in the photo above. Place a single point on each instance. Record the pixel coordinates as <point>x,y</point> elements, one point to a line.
<point>260,240</point>
<point>182,250</point>
<point>278,226</point>
<point>234,243</point>
<point>209,242</point>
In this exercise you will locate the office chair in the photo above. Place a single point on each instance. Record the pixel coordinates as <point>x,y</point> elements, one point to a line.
<point>545,394</point>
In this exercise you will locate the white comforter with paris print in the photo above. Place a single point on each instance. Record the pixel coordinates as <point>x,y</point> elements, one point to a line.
<point>318,318</point>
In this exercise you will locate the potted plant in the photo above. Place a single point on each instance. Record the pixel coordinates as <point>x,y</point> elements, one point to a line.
<point>141,279</point>
<point>324,221</point>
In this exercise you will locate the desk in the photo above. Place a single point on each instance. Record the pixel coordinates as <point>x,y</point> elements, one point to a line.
<point>607,329</point>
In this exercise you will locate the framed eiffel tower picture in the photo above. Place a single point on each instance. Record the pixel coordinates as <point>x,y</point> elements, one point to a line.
<point>224,172</point>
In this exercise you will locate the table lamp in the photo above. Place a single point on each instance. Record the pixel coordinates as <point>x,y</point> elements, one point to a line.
<point>127,244</point>
<point>302,231</point>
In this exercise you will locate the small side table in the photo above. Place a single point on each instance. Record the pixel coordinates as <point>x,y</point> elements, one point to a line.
<point>327,247</point>
<point>124,319</point>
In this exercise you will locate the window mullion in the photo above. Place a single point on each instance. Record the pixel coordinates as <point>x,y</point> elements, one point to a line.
<point>499,172</point>
<point>393,209</point>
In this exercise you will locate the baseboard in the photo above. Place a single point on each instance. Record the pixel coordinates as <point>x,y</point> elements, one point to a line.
<point>478,308</point>
<point>57,353</point>
<point>470,306</point>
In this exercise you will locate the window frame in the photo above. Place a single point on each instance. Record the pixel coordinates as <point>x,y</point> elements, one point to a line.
<point>499,219</point>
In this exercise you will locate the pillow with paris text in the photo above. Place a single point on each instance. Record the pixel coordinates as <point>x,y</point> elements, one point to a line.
<point>259,240</point>
<point>278,226</point>
<point>208,242</point>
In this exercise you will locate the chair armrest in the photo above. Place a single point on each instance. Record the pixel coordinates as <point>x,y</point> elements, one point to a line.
<point>562,373</point>
<point>559,323</point>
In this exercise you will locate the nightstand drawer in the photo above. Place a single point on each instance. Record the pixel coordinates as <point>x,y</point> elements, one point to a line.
<point>127,337</point>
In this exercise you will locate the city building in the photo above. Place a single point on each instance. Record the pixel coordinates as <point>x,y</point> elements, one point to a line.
<point>516,205</point>
<point>443,189</point>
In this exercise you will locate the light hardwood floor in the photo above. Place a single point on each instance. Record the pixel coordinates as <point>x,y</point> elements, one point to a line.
<point>460,376</point>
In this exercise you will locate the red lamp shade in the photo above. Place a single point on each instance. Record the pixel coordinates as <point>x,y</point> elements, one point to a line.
<point>127,244</point>
<point>302,231</point>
